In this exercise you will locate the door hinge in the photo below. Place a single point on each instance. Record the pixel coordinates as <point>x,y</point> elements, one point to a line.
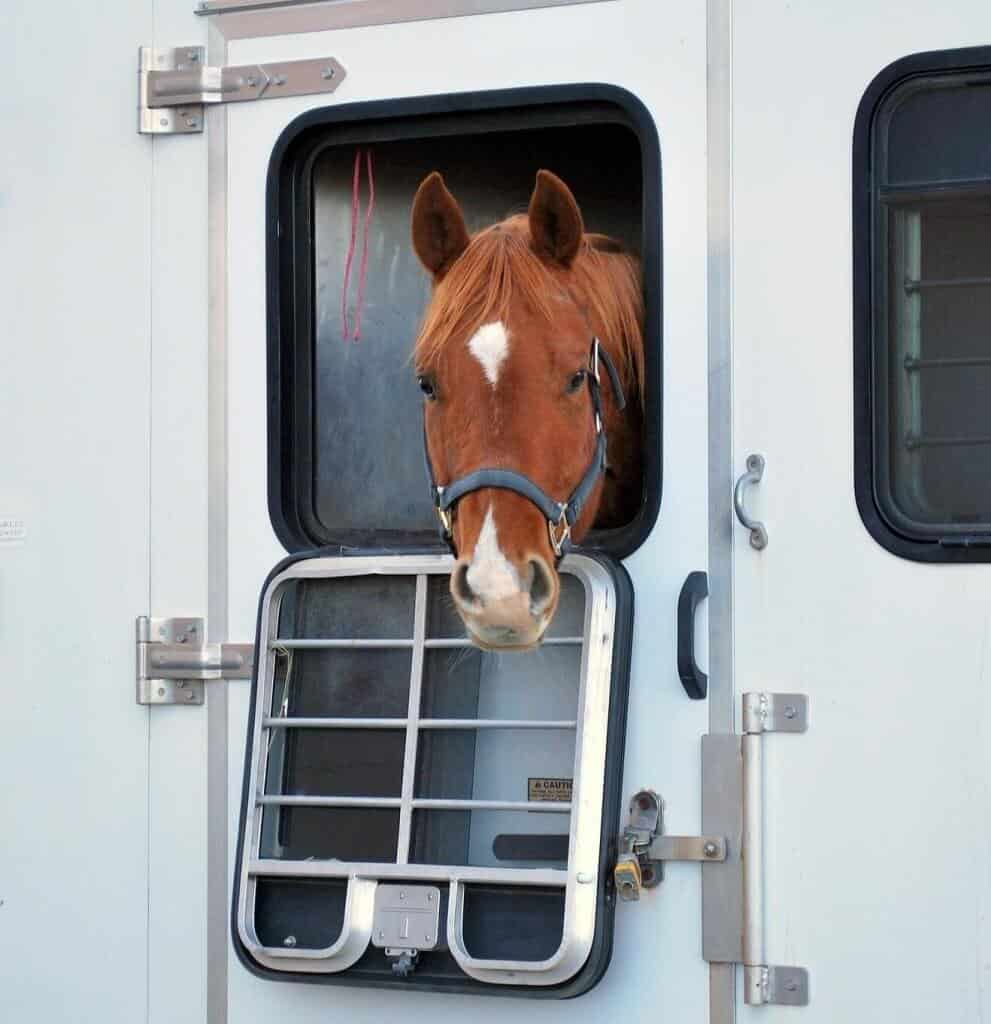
<point>174,84</point>
<point>643,847</point>
<point>174,660</point>
<point>733,890</point>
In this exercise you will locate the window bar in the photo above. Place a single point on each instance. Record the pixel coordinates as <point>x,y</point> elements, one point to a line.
<point>345,643</point>
<point>907,342</point>
<point>461,641</point>
<point>424,723</point>
<point>419,803</point>
<point>914,441</point>
<point>270,868</point>
<point>914,363</point>
<point>412,716</point>
<point>914,284</point>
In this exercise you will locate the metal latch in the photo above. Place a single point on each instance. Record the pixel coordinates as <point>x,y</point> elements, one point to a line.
<point>174,660</point>
<point>174,84</point>
<point>733,892</point>
<point>643,847</point>
<point>406,923</point>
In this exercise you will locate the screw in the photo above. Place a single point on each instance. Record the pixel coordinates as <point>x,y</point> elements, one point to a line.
<point>791,986</point>
<point>278,80</point>
<point>251,80</point>
<point>381,935</point>
<point>190,122</point>
<point>193,57</point>
<point>710,849</point>
<point>430,896</point>
<point>790,711</point>
<point>402,895</point>
<point>426,938</point>
<point>190,695</point>
<point>327,73</point>
<point>164,122</point>
<point>161,691</point>
<point>289,940</point>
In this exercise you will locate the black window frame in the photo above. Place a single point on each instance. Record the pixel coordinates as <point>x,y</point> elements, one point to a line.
<point>289,248</point>
<point>869,290</point>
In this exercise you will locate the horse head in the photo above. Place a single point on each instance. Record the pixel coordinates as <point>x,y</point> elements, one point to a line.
<point>525,319</point>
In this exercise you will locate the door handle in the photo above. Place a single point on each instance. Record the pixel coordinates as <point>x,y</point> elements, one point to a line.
<point>755,470</point>
<point>694,591</point>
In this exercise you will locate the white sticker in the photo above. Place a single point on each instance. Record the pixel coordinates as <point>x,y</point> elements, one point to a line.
<point>12,531</point>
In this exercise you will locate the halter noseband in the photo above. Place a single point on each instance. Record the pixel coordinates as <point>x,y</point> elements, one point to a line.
<point>560,516</point>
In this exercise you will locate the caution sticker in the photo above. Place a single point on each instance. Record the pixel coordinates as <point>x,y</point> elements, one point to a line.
<point>549,789</point>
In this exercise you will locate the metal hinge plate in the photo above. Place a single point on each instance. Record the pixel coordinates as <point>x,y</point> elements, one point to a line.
<point>174,84</point>
<point>406,923</point>
<point>174,660</point>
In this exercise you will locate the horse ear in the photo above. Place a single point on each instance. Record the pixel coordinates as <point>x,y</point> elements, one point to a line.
<point>439,232</point>
<point>556,228</point>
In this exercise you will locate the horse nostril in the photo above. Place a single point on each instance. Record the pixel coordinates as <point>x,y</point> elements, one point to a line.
<point>541,586</point>
<point>460,586</point>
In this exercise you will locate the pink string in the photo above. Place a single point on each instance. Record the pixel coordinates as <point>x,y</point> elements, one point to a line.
<point>346,331</point>
<point>363,272</point>
<point>355,181</point>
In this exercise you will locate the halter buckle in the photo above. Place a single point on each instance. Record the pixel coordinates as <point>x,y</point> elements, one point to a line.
<point>595,359</point>
<point>446,520</point>
<point>559,532</point>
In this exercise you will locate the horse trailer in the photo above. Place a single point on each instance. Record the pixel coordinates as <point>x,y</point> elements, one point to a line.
<point>724,782</point>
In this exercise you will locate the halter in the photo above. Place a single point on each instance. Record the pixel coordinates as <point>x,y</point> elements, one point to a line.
<point>560,516</point>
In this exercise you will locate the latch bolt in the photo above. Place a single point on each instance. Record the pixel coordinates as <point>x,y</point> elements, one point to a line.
<point>643,847</point>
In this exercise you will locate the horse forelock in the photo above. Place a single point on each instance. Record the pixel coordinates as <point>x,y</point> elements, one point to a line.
<point>500,270</point>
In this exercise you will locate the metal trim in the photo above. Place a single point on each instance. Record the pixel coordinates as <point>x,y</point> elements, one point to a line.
<point>719,280</point>
<point>253,19</point>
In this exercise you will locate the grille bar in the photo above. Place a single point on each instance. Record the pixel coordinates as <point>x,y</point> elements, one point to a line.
<point>424,723</point>
<point>415,803</point>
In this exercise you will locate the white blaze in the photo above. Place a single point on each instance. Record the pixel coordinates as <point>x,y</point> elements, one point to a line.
<point>491,575</point>
<point>490,346</point>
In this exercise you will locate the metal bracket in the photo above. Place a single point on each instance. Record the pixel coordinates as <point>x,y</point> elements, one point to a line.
<point>175,84</point>
<point>406,923</point>
<point>174,660</point>
<point>753,475</point>
<point>733,891</point>
<point>775,712</point>
<point>643,847</point>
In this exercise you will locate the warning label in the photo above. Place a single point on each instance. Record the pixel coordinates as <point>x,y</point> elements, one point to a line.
<point>549,789</point>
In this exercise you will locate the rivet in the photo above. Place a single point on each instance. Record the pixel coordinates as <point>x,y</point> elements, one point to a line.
<point>430,896</point>
<point>426,938</point>
<point>164,122</point>
<point>289,940</point>
<point>790,711</point>
<point>402,895</point>
<point>190,122</point>
<point>710,849</point>
<point>193,56</point>
<point>278,80</point>
<point>327,73</point>
<point>791,986</point>
<point>583,878</point>
<point>161,691</point>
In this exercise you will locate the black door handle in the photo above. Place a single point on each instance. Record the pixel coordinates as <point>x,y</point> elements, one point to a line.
<point>694,590</point>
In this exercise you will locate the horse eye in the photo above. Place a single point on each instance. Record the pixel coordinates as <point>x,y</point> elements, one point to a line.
<point>576,381</point>
<point>427,386</point>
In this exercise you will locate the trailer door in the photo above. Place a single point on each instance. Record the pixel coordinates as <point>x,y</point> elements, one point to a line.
<point>655,961</point>
<point>877,819</point>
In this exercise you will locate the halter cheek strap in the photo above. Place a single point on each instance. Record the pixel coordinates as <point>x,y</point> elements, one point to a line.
<point>560,516</point>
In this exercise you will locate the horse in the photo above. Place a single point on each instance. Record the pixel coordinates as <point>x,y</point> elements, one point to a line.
<point>530,358</point>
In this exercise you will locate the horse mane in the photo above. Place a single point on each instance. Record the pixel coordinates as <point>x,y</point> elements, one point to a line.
<point>500,267</point>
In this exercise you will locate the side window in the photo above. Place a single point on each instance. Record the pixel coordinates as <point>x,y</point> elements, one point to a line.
<point>922,227</point>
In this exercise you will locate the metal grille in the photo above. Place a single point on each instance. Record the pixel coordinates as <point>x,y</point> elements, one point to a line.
<point>389,823</point>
